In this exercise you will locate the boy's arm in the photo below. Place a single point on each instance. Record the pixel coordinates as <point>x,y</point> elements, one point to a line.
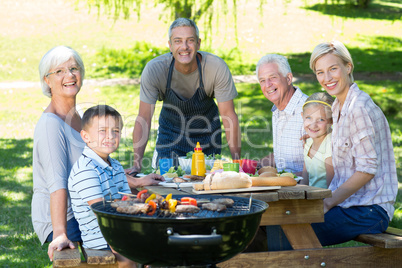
<point>94,201</point>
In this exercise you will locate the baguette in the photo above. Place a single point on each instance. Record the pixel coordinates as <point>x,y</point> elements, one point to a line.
<point>274,181</point>
<point>227,180</point>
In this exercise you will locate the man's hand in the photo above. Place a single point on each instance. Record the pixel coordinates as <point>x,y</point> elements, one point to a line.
<point>133,171</point>
<point>151,179</point>
<point>58,244</point>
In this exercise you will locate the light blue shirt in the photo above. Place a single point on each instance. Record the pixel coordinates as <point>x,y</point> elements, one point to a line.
<point>91,178</point>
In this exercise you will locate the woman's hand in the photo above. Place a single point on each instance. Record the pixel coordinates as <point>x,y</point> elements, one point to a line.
<point>58,244</point>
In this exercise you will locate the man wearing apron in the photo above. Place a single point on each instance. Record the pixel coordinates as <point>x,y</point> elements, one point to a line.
<point>187,81</point>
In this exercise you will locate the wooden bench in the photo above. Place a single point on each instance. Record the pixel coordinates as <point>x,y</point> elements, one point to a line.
<point>72,258</point>
<point>391,238</point>
<point>383,250</point>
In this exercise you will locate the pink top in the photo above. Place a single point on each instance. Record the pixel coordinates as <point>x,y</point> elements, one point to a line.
<point>361,141</point>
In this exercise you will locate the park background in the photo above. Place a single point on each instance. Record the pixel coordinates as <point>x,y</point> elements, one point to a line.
<point>116,50</point>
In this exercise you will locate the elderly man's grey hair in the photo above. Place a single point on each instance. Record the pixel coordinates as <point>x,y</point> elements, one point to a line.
<point>281,61</point>
<point>53,58</point>
<point>181,22</point>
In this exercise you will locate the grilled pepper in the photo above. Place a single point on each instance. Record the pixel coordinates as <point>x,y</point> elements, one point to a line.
<point>172,205</point>
<point>188,201</point>
<point>151,197</point>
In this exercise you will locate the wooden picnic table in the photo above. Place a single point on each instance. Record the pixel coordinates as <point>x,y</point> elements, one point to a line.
<point>294,208</point>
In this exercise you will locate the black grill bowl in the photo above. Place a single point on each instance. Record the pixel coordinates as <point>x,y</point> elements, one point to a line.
<point>203,238</point>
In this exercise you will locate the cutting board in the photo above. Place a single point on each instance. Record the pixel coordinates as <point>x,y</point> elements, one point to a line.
<point>239,190</point>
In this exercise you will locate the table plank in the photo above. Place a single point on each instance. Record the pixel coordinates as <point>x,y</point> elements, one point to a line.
<point>293,212</point>
<point>67,257</point>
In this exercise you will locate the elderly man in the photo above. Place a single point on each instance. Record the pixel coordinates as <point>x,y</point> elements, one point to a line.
<point>275,78</point>
<point>187,81</point>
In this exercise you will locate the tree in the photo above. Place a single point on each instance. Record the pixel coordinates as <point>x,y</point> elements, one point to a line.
<point>193,9</point>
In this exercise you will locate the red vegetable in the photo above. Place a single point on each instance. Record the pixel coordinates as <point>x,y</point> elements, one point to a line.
<point>141,192</point>
<point>153,207</point>
<point>188,201</point>
<point>124,198</point>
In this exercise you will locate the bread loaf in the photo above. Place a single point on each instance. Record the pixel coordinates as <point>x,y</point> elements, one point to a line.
<point>227,180</point>
<point>267,169</point>
<point>273,181</point>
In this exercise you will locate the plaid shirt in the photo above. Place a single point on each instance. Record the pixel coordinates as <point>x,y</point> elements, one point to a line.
<point>361,141</point>
<point>288,128</point>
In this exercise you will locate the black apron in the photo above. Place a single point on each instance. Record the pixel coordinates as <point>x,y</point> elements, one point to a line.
<point>183,123</point>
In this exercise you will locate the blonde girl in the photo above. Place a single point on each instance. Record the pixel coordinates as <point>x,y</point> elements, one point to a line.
<point>317,121</point>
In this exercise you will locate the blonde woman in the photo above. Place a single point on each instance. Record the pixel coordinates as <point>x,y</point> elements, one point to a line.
<point>365,183</point>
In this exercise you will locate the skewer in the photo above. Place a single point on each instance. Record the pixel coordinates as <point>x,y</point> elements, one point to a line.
<point>132,195</point>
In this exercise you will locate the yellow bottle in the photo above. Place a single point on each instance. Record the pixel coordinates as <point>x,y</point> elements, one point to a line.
<point>198,162</point>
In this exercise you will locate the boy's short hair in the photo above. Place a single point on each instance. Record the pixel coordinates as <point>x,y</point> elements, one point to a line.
<point>99,111</point>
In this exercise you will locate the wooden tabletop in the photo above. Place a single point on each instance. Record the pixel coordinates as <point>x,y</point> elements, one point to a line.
<point>285,193</point>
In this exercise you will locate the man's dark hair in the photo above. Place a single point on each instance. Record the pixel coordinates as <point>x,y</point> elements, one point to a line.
<point>100,111</point>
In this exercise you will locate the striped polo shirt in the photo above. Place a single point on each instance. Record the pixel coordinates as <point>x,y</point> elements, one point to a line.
<point>91,178</point>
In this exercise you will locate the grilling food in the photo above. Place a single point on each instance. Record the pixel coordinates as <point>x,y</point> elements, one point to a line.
<point>187,209</point>
<point>135,208</point>
<point>214,206</point>
<point>227,180</point>
<point>157,203</point>
<point>228,202</point>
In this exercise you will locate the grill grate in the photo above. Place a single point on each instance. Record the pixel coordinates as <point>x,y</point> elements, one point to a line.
<point>240,207</point>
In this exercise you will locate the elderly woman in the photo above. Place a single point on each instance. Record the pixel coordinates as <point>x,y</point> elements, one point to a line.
<point>365,183</point>
<point>57,146</point>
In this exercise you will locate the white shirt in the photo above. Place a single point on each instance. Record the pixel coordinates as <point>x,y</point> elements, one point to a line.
<point>287,130</point>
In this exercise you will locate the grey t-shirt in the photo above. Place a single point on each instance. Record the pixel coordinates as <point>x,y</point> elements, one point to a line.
<point>57,146</point>
<point>217,79</point>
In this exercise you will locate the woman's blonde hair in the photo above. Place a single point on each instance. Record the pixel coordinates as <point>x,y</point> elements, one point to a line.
<point>320,98</point>
<point>335,47</point>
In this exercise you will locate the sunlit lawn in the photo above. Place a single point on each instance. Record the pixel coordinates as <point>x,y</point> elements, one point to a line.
<point>18,243</point>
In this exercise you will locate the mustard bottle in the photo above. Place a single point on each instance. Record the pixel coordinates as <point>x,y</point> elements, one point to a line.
<point>198,162</point>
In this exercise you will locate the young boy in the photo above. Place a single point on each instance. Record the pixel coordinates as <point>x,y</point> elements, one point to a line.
<point>96,176</point>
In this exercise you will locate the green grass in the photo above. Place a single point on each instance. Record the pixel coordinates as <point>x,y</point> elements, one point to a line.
<point>19,245</point>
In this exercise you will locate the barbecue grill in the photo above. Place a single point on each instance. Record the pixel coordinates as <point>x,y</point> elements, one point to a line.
<point>189,239</point>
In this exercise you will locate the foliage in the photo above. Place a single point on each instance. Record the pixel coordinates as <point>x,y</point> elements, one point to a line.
<point>377,10</point>
<point>377,54</point>
<point>196,10</point>
<point>111,63</point>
